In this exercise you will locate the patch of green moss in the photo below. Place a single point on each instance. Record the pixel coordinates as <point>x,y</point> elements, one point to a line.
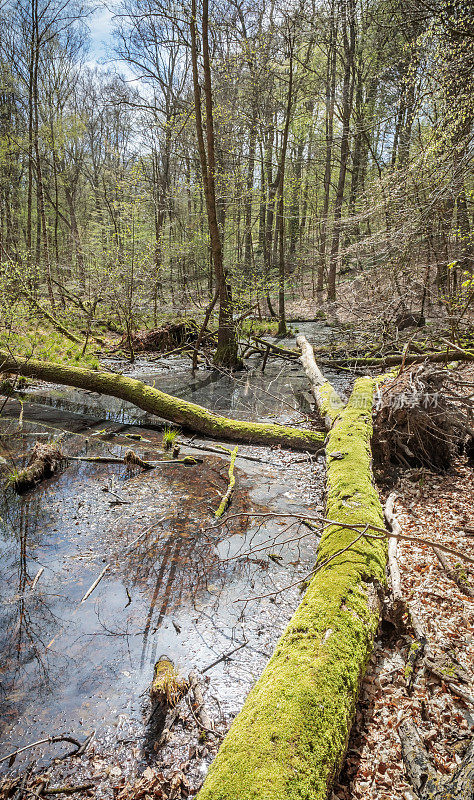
<point>329,403</point>
<point>289,740</point>
<point>181,412</point>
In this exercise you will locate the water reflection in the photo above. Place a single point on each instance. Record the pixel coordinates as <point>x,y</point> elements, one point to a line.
<point>168,590</point>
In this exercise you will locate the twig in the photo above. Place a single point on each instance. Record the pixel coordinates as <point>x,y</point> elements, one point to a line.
<point>96,582</point>
<point>459,580</point>
<point>456,347</point>
<point>208,449</point>
<point>36,578</point>
<point>119,499</point>
<point>313,572</point>
<point>355,527</point>
<point>144,533</point>
<point>69,789</point>
<point>223,657</point>
<point>47,740</point>
<point>230,489</point>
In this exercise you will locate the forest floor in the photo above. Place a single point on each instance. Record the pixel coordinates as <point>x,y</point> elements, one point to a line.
<point>429,504</point>
<point>441,507</point>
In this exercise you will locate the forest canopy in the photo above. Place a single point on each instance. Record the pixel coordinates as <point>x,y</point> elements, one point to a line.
<point>262,150</point>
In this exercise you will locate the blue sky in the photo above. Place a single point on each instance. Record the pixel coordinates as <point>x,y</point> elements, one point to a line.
<point>100,25</point>
<point>100,54</point>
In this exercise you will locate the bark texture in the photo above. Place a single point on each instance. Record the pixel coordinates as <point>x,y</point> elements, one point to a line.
<point>327,400</point>
<point>44,461</point>
<point>173,409</point>
<point>428,783</point>
<point>289,740</point>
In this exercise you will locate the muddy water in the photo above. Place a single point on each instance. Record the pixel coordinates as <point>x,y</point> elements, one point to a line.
<point>176,584</point>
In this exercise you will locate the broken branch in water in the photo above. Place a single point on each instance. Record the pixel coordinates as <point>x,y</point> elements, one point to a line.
<point>223,505</point>
<point>44,461</point>
<point>131,458</point>
<point>223,657</point>
<point>36,578</point>
<point>96,582</point>
<point>47,740</point>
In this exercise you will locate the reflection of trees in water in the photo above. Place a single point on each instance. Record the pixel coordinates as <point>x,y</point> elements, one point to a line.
<point>180,563</point>
<point>26,618</point>
<point>177,563</point>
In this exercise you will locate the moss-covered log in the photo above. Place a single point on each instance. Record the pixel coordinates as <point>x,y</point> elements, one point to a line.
<point>166,406</point>
<point>289,740</point>
<point>327,399</point>
<point>438,357</point>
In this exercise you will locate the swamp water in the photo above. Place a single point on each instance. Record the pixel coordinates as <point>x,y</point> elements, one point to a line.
<point>176,584</point>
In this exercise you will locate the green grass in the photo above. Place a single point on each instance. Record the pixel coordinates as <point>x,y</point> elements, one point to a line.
<point>48,344</point>
<point>169,437</point>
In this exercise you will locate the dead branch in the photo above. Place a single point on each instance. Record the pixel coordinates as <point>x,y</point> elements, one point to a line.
<point>427,782</point>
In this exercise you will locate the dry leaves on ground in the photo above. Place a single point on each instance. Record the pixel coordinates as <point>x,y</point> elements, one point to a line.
<point>439,507</point>
<point>152,785</point>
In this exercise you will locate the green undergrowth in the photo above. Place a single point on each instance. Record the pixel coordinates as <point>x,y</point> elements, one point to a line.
<point>44,343</point>
<point>289,740</point>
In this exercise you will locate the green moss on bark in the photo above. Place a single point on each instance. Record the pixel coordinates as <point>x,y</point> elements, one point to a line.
<point>289,740</point>
<point>164,405</point>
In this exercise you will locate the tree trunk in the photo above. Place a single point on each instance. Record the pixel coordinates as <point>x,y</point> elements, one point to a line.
<point>330,100</point>
<point>226,353</point>
<point>348,25</point>
<point>170,408</point>
<point>290,738</point>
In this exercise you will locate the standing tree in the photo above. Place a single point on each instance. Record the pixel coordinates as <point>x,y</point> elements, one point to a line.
<point>226,354</point>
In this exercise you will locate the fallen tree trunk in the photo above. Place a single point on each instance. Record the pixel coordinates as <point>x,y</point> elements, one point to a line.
<point>44,461</point>
<point>436,357</point>
<point>327,400</point>
<point>415,424</point>
<point>428,783</point>
<point>451,353</point>
<point>289,740</point>
<point>173,409</point>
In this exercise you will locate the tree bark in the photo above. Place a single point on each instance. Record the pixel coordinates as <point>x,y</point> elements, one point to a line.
<point>290,738</point>
<point>348,26</point>
<point>170,408</point>
<point>226,353</point>
<point>327,400</point>
<point>427,782</point>
<point>330,100</point>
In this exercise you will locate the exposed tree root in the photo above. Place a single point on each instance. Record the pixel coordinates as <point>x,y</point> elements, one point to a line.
<point>160,340</point>
<point>415,423</point>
